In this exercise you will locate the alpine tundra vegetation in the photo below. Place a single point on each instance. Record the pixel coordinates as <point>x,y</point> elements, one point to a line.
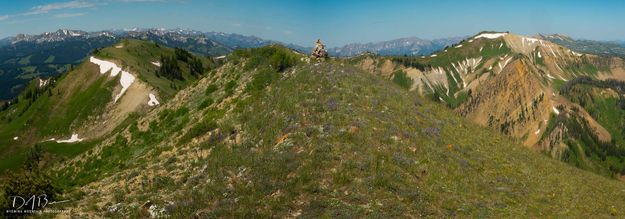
<point>339,115</point>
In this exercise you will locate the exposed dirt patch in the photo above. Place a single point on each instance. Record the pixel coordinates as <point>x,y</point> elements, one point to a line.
<point>387,68</point>
<point>506,102</point>
<point>416,75</point>
<point>368,64</point>
<point>600,131</point>
<point>134,100</point>
<point>617,73</point>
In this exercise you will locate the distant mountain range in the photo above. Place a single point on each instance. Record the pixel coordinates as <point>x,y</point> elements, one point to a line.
<point>24,57</point>
<point>402,46</point>
<point>613,48</point>
<point>209,43</point>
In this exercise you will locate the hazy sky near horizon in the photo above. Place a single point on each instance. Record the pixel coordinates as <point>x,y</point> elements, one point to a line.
<point>336,22</point>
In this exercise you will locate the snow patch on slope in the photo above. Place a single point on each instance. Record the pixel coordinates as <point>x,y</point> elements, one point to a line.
<point>126,79</point>
<point>530,43</point>
<point>105,66</point>
<point>73,139</point>
<point>465,67</point>
<point>554,54</point>
<point>157,64</point>
<point>504,63</point>
<point>531,40</point>
<point>490,35</point>
<point>153,101</point>
<point>43,83</point>
<point>438,70</point>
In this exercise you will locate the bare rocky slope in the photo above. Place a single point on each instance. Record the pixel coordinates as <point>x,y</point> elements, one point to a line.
<point>512,84</point>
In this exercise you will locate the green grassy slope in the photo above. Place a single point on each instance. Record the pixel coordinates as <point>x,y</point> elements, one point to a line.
<point>603,101</point>
<point>140,55</point>
<point>25,61</point>
<point>52,111</point>
<point>322,140</point>
<point>80,95</point>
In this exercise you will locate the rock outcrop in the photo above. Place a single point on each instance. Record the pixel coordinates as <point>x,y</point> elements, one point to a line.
<point>320,50</point>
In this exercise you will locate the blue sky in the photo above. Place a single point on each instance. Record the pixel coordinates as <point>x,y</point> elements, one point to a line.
<point>336,22</point>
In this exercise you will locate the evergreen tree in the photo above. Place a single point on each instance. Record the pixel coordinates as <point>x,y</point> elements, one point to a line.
<point>170,68</point>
